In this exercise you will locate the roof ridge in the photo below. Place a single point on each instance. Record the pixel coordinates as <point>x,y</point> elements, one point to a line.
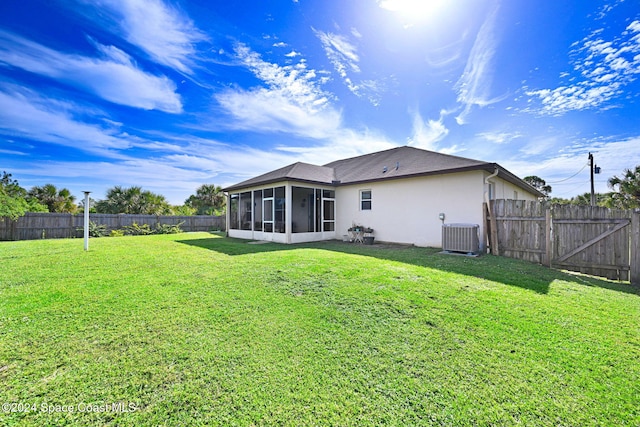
<point>367,154</point>
<point>405,147</point>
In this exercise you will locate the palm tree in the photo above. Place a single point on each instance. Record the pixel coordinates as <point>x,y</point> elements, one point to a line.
<point>55,200</point>
<point>133,200</point>
<point>208,200</point>
<point>627,188</point>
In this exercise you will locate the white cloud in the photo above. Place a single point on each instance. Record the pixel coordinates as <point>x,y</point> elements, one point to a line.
<point>344,57</point>
<point>164,33</point>
<point>499,137</point>
<point>537,146</point>
<point>292,54</point>
<point>346,143</point>
<point>156,175</point>
<point>634,26</point>
<point>342,54</point>
<point>274,110</point>
<point>604,67</point>
<point>114,77</point>
<point>475,83</point>
<point>567,170</point>
<point>27,115</point>
<point>427,134</point>
<point>13,152</point>
<point>292,100</point>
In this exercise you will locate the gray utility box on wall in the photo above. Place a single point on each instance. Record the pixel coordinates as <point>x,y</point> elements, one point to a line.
<point>460,238</point>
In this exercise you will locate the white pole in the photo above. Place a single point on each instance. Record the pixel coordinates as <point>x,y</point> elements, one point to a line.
<point>86,220</point>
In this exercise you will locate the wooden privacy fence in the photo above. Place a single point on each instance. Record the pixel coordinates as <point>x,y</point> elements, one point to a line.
<point>33,226</point>
<point>592,240</point>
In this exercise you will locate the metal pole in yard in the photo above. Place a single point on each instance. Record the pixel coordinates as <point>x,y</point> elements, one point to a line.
<point>86,220</point>
<point>635,248</point>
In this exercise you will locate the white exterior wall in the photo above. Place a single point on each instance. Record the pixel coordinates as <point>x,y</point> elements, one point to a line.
<point>407,210</point>
<point>506,190</point>
<point>403,210</point>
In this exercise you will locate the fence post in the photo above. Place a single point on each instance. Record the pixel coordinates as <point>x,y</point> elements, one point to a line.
<point>495,250</point>
<point>635,248</point>
<point>547,235</point>
<point>485,227</point>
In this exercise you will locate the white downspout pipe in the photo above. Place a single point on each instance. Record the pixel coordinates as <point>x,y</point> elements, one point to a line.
<point>488,182</point>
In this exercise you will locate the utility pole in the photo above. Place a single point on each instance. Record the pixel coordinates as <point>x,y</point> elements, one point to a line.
<point>595,169</point>
<point>593,193</point>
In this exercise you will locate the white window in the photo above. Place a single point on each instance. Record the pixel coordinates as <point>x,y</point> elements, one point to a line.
<point>365,200</point>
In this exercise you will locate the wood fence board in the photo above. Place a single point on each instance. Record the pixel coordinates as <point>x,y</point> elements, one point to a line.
<point>591,240</point>
<point>635,248</point>
<point>46,225</point>
<point>579,227</point>
<point>520,229</point>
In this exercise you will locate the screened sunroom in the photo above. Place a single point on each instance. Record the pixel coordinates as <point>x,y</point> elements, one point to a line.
<point>285,212</point>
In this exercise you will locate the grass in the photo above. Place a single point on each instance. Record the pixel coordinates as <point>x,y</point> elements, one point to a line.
<point>196,329</point>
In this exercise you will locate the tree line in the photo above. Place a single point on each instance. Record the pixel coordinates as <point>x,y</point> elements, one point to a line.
<point>209,199</point>
<point>625,192</point>
<point>15,201</point>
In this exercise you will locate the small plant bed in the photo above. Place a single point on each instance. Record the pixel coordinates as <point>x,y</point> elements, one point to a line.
<point>198,329</point>
<point>135,229</point>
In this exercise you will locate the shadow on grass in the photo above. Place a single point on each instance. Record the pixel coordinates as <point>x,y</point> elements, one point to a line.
<point>508,271</point>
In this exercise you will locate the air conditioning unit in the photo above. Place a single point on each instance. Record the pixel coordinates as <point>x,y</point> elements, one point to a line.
<point>460,238</point>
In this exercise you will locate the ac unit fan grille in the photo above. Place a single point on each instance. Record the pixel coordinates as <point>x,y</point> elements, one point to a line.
<point>460,238</point>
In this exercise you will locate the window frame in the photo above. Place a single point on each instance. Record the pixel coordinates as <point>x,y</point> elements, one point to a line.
<point>366,204</point>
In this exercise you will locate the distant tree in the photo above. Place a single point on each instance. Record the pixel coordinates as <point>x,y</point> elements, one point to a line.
<point>133,200</point>
<point>92,206</point>
<point>154,204</point>
<point>183,210</point>
<point>10,186</point>
<point>585,199</point>
<point>61,201</point>
<point>13,199</point>
<point>559,201</point>
<point>626,189</point>
<point>539,184</point>
<point>208,200</point>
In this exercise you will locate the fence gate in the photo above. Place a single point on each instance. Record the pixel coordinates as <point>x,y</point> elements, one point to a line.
<point>592,240</point>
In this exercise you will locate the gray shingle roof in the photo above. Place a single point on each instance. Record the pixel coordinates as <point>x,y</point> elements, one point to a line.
<point>400,162</point>
<point>297,171</point>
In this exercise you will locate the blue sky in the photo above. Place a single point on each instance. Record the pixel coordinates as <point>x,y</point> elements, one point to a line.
<point>169,95</point>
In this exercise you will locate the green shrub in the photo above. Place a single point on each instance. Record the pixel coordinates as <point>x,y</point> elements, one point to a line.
<point>95,230</point>
<point>168,228</point>
<point>137,230</point>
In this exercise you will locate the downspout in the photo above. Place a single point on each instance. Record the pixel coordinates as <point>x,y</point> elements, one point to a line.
<point>488,182</point>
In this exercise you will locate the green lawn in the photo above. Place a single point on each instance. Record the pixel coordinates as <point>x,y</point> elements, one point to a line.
<point>196,329</point>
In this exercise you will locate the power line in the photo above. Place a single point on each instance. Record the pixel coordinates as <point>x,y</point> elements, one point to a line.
<point>566,179</point>
<point>572,191</point>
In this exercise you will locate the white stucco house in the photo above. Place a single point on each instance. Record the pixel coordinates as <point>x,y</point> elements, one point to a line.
<point>400,193</point>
